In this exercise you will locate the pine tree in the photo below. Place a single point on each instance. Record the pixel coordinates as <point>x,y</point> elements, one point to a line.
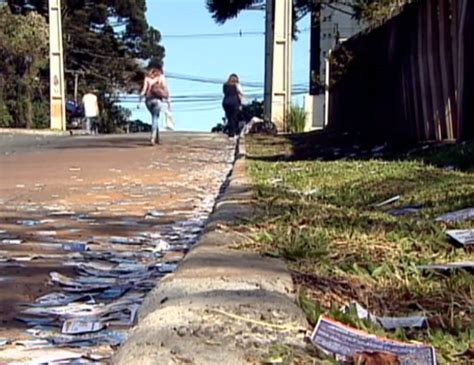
<point>106,41</point>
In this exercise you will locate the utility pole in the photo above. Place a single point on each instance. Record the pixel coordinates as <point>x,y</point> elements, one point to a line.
<point>56,59</point>
<point>278,63</point>
<point>267,99</point>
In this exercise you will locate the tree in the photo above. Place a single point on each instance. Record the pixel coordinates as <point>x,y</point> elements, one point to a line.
<point>23,53</point>
<point>368,10</point>
<point>106,41</point>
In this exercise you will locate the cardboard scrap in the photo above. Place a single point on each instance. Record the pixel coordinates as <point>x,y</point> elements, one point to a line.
<point>463,236</point>
<point>336,338</point>
<point>457,216</point>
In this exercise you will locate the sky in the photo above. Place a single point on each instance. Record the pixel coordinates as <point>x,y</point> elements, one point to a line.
<point>198,48</point>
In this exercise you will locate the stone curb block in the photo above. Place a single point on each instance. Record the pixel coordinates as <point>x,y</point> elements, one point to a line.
<point>179,321</point>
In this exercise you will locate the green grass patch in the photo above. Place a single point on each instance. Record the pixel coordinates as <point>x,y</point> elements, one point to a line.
<point>321,217</point>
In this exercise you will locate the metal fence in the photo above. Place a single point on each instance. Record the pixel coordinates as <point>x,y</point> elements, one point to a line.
<point>409,79</point>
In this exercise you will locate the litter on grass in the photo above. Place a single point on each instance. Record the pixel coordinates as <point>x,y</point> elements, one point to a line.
<point>464,237</point>
<point>336,338</point>
<point>457,216</point>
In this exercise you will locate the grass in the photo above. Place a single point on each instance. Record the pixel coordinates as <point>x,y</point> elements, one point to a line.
<point>297,119</point>
<point>320,216</point>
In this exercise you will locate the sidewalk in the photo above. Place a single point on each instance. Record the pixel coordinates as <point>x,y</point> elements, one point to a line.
<point>222,306</point>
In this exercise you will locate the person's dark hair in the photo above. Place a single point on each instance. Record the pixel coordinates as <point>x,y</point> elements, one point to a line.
<point>233,79</point>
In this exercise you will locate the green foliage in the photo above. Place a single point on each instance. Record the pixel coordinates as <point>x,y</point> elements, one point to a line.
<point>367,10</point>
<point>320,216</point>
<point>106,42</point>
<point>23,55</point>
<point>296,119</point>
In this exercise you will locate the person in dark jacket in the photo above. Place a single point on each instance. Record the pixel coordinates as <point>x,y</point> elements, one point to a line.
<point>232,103</point>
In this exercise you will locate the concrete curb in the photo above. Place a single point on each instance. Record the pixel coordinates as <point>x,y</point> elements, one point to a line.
<point>221,306</point>
<point>39,132</point>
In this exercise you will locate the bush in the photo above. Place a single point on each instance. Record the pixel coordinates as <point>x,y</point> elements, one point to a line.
<point>296,119</point>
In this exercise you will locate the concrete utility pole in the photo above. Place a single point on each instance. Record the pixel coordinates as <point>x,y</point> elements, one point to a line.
<point>56,59</point>
<point>278,61</point>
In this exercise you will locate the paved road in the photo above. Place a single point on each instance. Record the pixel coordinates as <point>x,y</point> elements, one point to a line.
<point>100,191</point>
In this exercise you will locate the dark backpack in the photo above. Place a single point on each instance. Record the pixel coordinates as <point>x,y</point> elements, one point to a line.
<point>158,91</point>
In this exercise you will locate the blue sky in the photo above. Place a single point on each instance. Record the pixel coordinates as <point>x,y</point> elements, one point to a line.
<point>194,49</point>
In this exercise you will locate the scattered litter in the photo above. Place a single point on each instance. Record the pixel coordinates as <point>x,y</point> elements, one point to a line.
<point>305,193</point>
<point>389,323</point>
<point>76,246</point>
<point>336,338</point>
<point>12,242</point>
<point>166,267</point>
<point>155,213</point>
<point>80,326</point>
<point>388,201</point>
<point>275,181</point>
<point>457,216</point>
<point>378,149</point>
<point>29,222</point>
<point>463,265</point>
<point>407,209</point>
<point>57,299</point>
<point>46,233</point>
<point>126,240</point>
<point>463,236</point>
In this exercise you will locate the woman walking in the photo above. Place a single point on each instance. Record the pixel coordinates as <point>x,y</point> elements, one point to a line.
<point>232,103</point>
<point>155,92</point>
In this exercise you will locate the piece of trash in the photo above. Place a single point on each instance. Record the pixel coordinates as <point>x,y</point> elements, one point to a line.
<point>76,247</point>
<point>407,209</point>
<point>389,323</point>
<point>457,216</point>
<point>12,242</point>
<point>466,265</point>
<point>463,236</point>
<point>126,240</point>
<point>388,201</point>
<point>378,149</point>
<point>336,338</point>
<point>80,326</point>
<point>28,222</point>
<point>46,233</point>
<point>56,298</point>
<point>74,169</point>
<point>275,181</point>
<point>166,267</point>
<point>155,213</point>
<point>3,342</point>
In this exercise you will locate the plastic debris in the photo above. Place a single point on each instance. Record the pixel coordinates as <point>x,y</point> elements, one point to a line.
<point>389,323</point>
